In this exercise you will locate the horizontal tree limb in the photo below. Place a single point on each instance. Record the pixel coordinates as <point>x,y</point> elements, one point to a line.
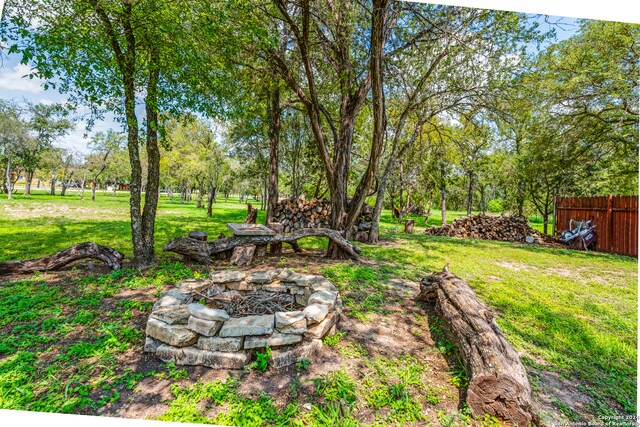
<point>204,251</point>
<point>85,250</point>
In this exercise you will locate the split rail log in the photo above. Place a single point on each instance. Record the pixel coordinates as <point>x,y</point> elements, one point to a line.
<point>205,252</point>
<point>85,250</point>
<point>498,383</point>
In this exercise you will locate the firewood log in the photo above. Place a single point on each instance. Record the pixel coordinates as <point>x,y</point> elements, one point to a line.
<point>498,383</point>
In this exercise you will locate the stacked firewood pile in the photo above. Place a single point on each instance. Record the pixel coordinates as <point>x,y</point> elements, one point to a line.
<point>413,209</point>
<point>508,228</point>
<point>295,214</point>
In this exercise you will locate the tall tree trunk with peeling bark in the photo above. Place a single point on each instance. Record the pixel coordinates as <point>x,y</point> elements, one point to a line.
<point>443,193</point>
<point>274,112</point>
<point>8,182</point>
<point>147,254</point>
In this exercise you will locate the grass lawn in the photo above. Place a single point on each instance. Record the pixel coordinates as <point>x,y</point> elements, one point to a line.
<point>71,341</point>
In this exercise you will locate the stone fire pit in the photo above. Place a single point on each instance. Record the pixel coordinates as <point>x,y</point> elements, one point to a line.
<point>219,322</point>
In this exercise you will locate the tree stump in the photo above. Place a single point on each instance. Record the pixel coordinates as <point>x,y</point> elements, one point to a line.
<point>242,255</point>
<point>252,214</point>
<point>498,383</point>
<point>408,226</point>
<point>276,248</point>
<point>261,250</point>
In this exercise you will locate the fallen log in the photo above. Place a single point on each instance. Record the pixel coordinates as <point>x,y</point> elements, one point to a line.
<point>498,383</point>
<point>204,252</point>
<point>85,250</point>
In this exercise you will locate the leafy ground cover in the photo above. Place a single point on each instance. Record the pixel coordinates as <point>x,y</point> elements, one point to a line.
<point>71,341</point>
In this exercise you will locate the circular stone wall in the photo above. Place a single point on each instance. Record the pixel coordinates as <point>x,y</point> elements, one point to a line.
<point>185,332</point>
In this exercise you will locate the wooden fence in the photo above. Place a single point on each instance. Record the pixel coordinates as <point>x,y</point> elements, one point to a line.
<point>615,217</point>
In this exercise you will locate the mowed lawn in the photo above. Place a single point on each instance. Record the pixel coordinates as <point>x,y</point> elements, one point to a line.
<point>572,315</point>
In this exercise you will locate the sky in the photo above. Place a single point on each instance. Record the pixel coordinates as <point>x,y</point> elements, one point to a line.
<point>14,85</point>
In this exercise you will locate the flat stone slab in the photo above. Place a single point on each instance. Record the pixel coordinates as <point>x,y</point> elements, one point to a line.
<point>240,286</point>
<point>308,280</point>
<point>287,275</point>
<point>323,328</point>
<point>228,296</point>
<point>172,315</point>
<point>315,313</point>
<point>287,357</point>
<point>292,322</point>
<point>325,285</point>
<point>241,229</point>
<point>220,344</point>
<point>262,276</point>
<point>175,335</point>
<point>227,276</point>
<point>274,340</point>
<point>323,297</point>
<point>248,325</point>
<point>151,345</point>
<point>296,290</point>
<point>189,285</point>
<point>203,312</point>
<point>173,297</point>
<point>195,356</point>
<point>302,299</point>
<point>275,287</point>
<point>214,290</point>
<point>207,328</point>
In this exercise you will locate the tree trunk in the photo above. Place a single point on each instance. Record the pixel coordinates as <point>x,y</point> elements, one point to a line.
<point>81,189</point>
<point>109,256</point>
<point>147,253</point>
<point>520,199</point>
<point>443,194</point>
<point>483,201</point>
<point>201,191</point>
<point>53,181</point>
<point>27,182</point>
<point>498,383</point>
<point>273,112</point>
<point>400,207</point>
<point>470,193</point>
<point>65,183</point>
<point>8,178</point>
<point>210,197</point>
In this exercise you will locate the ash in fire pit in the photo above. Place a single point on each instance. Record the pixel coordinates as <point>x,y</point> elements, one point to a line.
<point>284,310</point>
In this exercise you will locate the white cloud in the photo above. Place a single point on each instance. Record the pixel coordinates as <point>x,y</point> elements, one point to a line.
<point>12,79</point>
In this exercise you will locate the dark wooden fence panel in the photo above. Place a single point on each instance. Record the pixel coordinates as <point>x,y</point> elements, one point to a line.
<point>615,217</point>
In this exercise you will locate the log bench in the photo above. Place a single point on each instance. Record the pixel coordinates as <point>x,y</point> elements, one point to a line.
<point>207,251</point>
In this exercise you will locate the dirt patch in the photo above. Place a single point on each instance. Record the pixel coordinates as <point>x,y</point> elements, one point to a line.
<point>514,266</point>
<point>53,210</point>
